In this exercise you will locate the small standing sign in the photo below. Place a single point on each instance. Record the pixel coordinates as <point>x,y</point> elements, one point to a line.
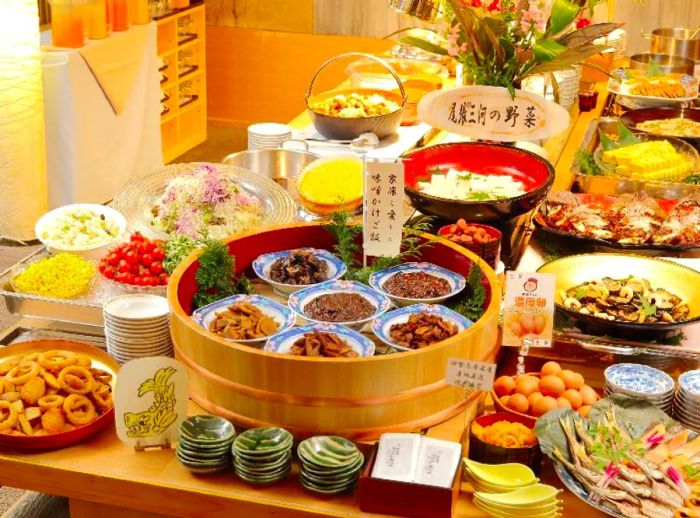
<point>150,401</point>
<point>470,375</point>
<point>528,309</point>
<point>383,208</point>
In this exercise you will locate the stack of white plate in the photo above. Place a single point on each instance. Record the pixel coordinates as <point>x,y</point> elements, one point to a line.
<point>137,326</point>
<point>687,401</point>
<point>616,40</point>
<point>268,135</point>
<point>568,82</point>
<point>642,381</point>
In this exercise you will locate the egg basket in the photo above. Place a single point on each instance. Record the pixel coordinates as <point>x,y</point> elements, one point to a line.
<point>344,128</point>
<point>502,408</point>
<point>358,398</point>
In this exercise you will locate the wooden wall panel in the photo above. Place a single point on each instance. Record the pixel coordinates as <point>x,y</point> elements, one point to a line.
<point>255,75</point>
<point>278,15</point>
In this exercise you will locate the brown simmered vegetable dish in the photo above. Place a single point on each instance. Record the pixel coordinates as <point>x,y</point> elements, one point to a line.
<point>416,285</point>
<point>339,307</point>
<point>422,330</point>
<point>242,322</point>
<point>300,267</point>
<point>322,344</point>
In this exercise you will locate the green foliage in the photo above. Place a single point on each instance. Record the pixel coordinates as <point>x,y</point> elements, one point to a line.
<point>177,248</point>
<point>563,13</point>
<point>586,163</point>
<point>470,303</point>
<point>215,275</point>
<point>424,44</point>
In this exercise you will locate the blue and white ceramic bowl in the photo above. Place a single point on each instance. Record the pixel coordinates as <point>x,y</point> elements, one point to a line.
<point>282,315</point>
<point>689,384</point>
<point>455,280</point>
<point>639,380</point>
<point>381,326</point>
<point>297,301</point>
<point>262,265</point>
<point>283,342</point>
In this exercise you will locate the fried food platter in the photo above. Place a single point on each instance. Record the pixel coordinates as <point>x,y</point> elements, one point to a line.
<point>98,360</point>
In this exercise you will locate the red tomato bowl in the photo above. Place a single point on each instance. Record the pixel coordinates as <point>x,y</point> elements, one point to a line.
<point>536,174</point>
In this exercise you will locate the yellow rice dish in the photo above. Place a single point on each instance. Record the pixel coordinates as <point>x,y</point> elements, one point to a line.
<point>332,181</point>
<point>63,276</point>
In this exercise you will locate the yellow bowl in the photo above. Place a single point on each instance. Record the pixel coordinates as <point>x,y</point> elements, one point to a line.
<point>324,208</point>
<point>576,269</point>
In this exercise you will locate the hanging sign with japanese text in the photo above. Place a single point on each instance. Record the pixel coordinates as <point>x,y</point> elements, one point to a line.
<point>528,309</point>
<point>490,113</point>
<point>383,208</point>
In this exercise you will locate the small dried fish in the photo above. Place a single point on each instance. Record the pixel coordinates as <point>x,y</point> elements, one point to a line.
<point>654,509</point>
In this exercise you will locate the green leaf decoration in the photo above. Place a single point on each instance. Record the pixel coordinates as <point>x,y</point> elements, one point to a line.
<point>654,69</point>
<point>563,13</point>
<point>587,34</point>
<point>566,59</point>
<point>627,136</point>
<point>606,142</point>
<point>424,45</point>
<point>547,50</point>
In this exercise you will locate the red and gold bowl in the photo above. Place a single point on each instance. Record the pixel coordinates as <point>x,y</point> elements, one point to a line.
<point>489,251</point>
<point>536,174</point>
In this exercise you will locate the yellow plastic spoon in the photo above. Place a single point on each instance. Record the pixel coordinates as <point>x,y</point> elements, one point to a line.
<point>505,475</point>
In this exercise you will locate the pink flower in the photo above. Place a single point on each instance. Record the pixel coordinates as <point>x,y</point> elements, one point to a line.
<point>533,17</point>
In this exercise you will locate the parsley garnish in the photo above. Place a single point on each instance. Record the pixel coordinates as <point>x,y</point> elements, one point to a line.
<point>470,303</point>
<point>215,275</point>
<point>648,308</point>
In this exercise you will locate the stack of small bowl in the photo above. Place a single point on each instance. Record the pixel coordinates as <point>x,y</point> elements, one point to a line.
<point>687,401</point>
<point>329,464</point>
<point>642,381</point>
<point>268,135</point>
<point>536,500</point>
<point>205,444</point>
<point>263,455</point>
<point>498,478</point>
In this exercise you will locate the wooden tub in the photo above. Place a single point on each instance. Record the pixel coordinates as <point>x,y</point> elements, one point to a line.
<point>358,398</point>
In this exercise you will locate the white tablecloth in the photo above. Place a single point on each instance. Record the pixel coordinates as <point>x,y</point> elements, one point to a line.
<point>91,151</point>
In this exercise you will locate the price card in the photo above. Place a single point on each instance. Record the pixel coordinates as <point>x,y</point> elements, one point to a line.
<point>489,112</point>
<point>470,374</point>
<point>528,309</point>
<point>383,208</point>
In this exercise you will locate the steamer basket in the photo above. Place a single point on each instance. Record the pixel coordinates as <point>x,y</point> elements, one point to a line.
<point>357,398</point>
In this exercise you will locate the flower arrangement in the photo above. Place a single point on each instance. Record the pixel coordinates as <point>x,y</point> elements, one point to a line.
<point>500,42</point>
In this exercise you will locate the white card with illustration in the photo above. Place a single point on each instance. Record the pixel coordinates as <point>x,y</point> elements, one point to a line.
<point>150,401</point>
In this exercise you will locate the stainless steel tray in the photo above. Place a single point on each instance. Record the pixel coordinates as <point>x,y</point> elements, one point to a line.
<point>615,186</point>
<point>85,310</point>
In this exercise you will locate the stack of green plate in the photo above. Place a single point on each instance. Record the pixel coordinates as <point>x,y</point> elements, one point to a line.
<point>205,443</point>
<point>329,464</point>
<point>262,455</point>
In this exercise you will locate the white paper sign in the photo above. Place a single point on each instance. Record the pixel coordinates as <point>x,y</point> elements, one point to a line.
<point>470,374</point>
<point>150,401</point>
<point>528,309</point>
<point>383,208</point>
<point>489,112</point>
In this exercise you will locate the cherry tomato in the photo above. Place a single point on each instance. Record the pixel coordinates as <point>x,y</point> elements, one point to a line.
<point>131,257</point>
<point>138,280</point>
<point>113,259</point>
<point>158,254</point>
<point>163,279</point>
<point>156,268</point>
<point>148,280</point>
<point>146,259</point>
<point>129,278</point>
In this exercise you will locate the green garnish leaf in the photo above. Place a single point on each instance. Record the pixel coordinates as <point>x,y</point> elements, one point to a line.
<point>215,277</point>
<point>648,308</point>
<point>580,292</point>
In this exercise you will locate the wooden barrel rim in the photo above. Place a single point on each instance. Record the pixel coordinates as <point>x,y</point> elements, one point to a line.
<point>315,401</point>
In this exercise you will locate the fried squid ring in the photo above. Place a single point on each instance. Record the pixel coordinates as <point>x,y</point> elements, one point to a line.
<point>7,366</point>
<point>102,396</point>
<point>50,379</point>
<point>101,375</point>
<point>57,359</point>
<point>76,380</point>
<point>8,416</point>
<point>83,361</point>
<point>52,401</point>
<point>79,409</point>
<point>23,372</point>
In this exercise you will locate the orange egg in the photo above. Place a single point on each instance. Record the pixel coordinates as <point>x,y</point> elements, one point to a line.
<point>519,403</point>
<point>574,397</point>
<point>588,395</point>
<point>562,402</point>
<point>527,323</point>
<point>583,410</point>
<point>516,328</point>
<point>572,380</point>
<point>550,368</point>
<point>504,386</point>
<point>534,398</point>
<point>538,324</point>
<point>504,400</point>
<point>526,385</point>
<point>552,386</point>
<point>544,405</point>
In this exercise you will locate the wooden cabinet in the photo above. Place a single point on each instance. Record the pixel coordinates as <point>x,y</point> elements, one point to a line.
<point>181,48</point>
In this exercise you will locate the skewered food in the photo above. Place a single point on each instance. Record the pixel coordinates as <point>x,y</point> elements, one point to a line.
<point>625,300</point>
<point>328,345</point>
<point>300,267</point>
<point>422,330</point>
<point>242,321</point>
<point>355,105</point>
<point>51,392</point>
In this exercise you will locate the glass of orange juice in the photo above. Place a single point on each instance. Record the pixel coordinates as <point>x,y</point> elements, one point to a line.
<point>68,23</point>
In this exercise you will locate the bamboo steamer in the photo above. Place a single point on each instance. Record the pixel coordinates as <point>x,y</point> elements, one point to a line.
<point>358,398</point>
